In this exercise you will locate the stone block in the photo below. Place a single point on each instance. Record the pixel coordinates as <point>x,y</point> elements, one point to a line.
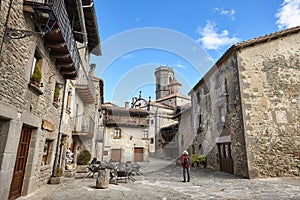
<point>48,125</point>
<point>103,179</point>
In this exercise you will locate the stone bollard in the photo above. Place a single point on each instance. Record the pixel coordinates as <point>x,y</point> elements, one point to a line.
<point>103,179</point>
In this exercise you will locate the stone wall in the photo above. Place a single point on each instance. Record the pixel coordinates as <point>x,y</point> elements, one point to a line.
<point>270,82</point>
<point>26,107</point>
<point>217,114</point>
<point>185,132</point>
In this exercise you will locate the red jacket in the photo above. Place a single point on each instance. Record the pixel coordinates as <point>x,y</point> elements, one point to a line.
<point>182,160</point>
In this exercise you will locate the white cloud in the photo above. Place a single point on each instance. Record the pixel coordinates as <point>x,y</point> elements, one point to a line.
<point>179,64</point>
<point>288,14</point>
<point>211,39</point>
<point>227,13</point>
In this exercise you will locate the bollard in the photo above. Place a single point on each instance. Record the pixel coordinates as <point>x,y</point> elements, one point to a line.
<point>103,179</point>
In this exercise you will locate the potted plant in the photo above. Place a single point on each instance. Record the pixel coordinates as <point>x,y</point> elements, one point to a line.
<point>36,76</point>
<point>203,160</point>
<point>195,160</point>
<point>56,94</point>
<point>83,160</point>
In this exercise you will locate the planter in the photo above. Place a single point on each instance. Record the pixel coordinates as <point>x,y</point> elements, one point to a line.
<point>56,180</point>
<point>82,169</point>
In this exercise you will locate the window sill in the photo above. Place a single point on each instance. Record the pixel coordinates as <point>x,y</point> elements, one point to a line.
<point>35,89</point>
<point>56,105</point>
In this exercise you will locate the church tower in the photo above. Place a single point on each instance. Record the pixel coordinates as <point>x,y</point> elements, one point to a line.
<point>164,76</point>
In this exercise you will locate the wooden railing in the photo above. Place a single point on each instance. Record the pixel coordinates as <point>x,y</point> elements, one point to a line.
<point>126,120</point>
<point>84,124</point>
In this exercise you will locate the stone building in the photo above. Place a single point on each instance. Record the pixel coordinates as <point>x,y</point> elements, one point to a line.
<point>163,118</point>
<point>125,133</point>
<point>245,110</point>
<point>42,51</point>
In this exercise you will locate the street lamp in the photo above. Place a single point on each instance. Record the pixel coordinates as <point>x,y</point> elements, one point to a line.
<point>45,20</point>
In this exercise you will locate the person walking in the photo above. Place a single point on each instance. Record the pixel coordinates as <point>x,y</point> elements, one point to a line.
<point>186,164</point>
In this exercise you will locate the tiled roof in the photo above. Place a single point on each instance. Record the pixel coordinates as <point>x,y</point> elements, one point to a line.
<point>172,96</point>
<point>257,40</point>
<point>247,43</point>
<point>111,106</point>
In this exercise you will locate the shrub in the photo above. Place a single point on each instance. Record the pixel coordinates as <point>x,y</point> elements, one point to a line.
<point>56,92</point>
<point>195,158</point>
<point>203,159</point>
<point>84,157</point>
<point>37,74</point>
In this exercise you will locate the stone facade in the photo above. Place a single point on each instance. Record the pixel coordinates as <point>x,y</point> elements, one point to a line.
<point>245,110</point>
<point>125,133</point>
<point>25,107</point>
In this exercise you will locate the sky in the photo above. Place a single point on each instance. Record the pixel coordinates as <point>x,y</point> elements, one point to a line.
<point>137,36</point>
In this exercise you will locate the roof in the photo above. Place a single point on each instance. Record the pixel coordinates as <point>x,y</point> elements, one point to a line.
<point>115,108</point>
<point>90,24</point>
<point>170,96</point>
<point>247,43</point>
<point>258,40</point>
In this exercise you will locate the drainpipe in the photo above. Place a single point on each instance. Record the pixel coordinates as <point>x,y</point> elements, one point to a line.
<point>58,144</point>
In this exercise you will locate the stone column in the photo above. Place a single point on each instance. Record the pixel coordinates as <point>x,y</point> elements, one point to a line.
<point>103,179</point>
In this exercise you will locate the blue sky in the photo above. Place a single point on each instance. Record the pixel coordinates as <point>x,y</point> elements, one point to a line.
<point>138,36</point>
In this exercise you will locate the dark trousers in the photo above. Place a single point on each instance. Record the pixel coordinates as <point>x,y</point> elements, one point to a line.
<point>186,171</point>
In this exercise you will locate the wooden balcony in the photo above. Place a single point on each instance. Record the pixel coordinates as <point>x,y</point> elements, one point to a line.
<point>85,89</point>
<point>59,40</point>
<point>126,121</point>
<point>84,125</point>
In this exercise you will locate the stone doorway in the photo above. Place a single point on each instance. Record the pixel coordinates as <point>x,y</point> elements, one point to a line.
<point>20,164</point>
<point>225,156</point>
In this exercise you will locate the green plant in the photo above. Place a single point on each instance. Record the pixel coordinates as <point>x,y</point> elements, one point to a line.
<point>195,158</point>
<point>84,157</point>
<point>56,91</point>
<point>203,159</point>
<point>59,171</point>
<point>37,74</point>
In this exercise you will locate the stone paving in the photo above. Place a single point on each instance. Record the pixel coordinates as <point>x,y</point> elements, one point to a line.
<point>162,180</point>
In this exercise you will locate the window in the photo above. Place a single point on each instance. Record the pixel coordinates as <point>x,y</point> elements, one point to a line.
<point>145,134</point>
<point>222,114</point>
<point>198,97</point>
<point>36,73</point>
<point>151,140</point>
<point>117,133</point>
<point>152,121</point>
<point>218,81</point>
<point>69,101</point>
<point>46,152</point>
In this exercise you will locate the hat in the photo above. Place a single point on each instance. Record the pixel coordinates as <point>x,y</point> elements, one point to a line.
<point>185,152</point>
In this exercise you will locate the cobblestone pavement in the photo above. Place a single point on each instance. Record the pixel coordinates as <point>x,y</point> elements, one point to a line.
<point>162,180</point>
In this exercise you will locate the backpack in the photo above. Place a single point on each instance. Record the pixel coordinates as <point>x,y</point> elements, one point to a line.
<point>186,161</point>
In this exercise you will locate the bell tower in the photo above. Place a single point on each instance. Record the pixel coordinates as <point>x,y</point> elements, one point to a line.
<point>164,76</point>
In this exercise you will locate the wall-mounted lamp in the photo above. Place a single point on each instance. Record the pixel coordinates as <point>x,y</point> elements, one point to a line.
<point>60,85</point>
<point>49,80</point>
<point>131,137</point>
<point>45,20</point>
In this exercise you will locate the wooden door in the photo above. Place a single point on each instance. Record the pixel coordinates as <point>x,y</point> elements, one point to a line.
<point>20,164</point>
<point>225,155</point>
<point>116,155</point>
<point>138,154</point>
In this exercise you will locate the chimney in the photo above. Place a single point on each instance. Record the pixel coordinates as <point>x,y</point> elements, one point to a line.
<point>126,104</point>
<point>92,69</point>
